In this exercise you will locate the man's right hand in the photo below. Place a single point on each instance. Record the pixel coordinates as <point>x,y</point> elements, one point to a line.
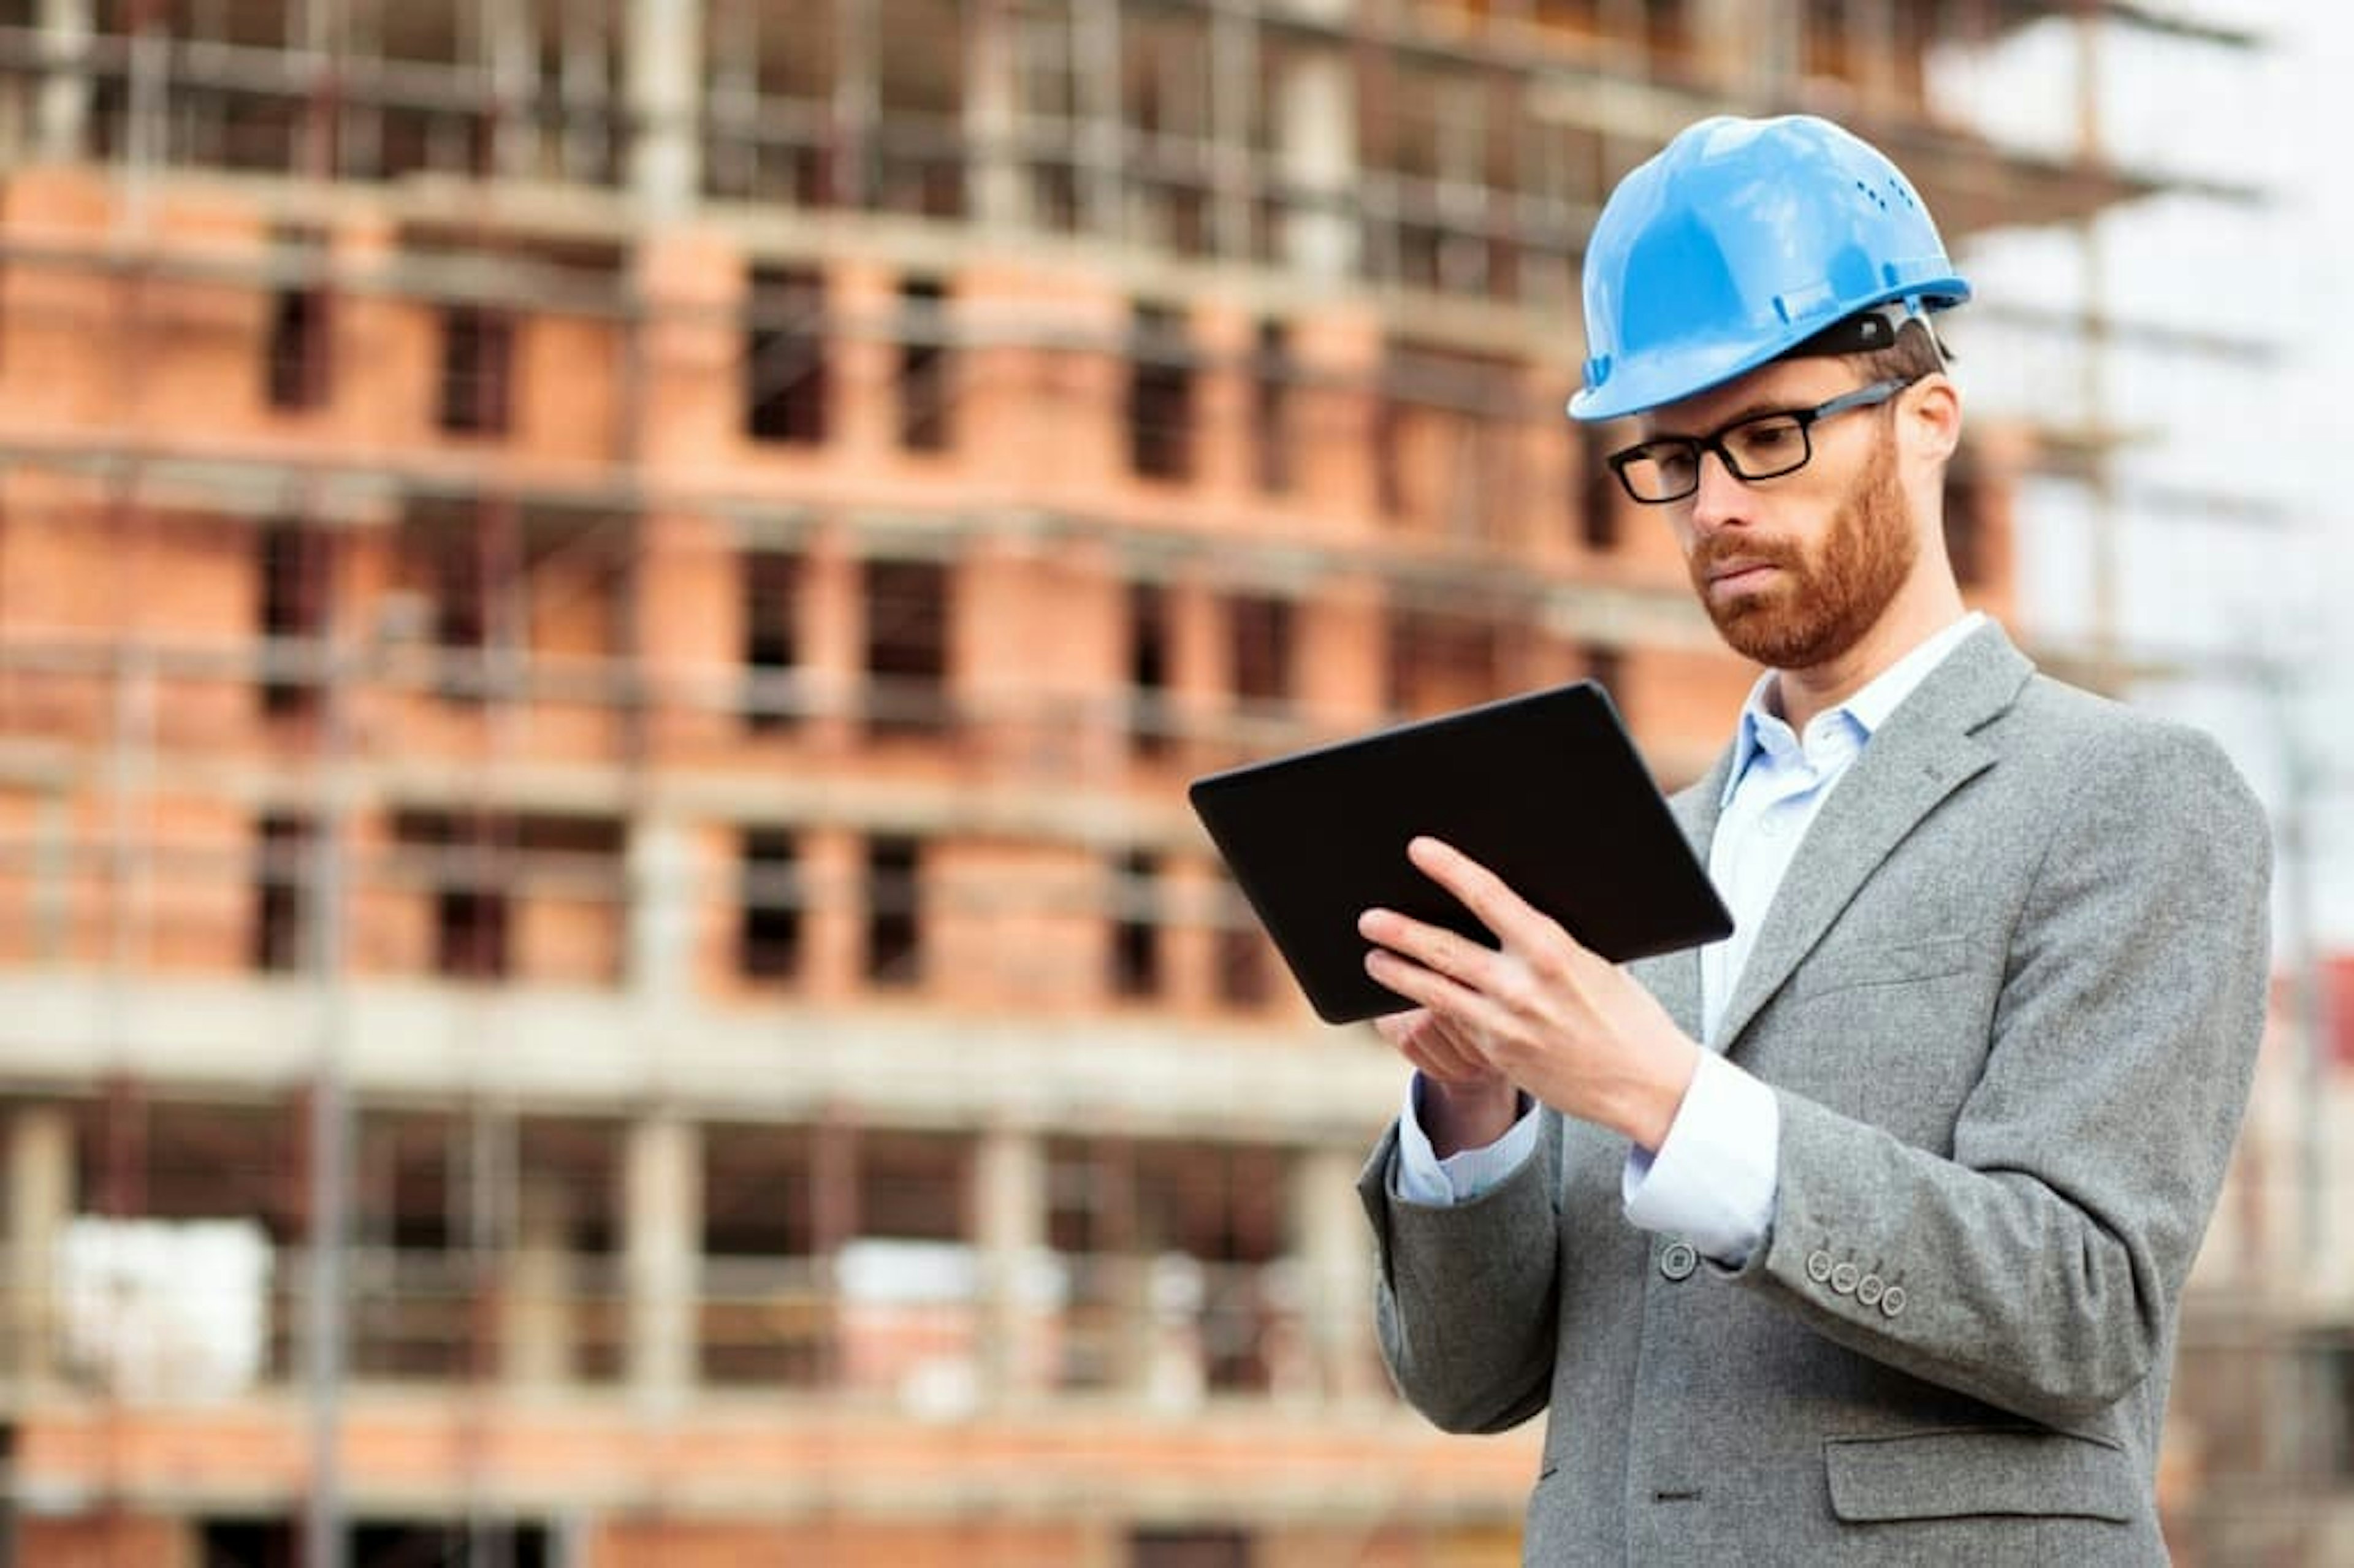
<point>1465,1102</point>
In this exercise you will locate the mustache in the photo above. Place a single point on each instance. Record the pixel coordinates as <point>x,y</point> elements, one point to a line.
<point>1722,548</point>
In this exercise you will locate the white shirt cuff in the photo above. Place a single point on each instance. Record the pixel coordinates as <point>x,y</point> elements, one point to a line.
<point>1424,1177</point>
<point>1712,1181</point>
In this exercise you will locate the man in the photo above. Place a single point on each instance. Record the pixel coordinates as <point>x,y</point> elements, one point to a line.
<point>1857,1237</point>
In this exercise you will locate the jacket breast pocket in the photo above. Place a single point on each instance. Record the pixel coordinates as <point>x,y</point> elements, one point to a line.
<point>1979,1472</point>
<point>1906,963</point>
<point>1892,1034</point>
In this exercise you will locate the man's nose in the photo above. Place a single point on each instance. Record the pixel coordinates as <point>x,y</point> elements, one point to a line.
<point>1721,498</point>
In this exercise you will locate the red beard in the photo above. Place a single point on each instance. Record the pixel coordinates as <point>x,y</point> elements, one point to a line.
<point>1820,603</point>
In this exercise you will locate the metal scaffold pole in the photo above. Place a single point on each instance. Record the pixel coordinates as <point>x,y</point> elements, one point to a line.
<point>329,1227</point>
<point>323,1536</point>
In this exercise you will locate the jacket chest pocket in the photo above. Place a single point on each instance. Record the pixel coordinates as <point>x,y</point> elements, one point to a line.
<point>1876,967</point>
<point>1893,1034</point>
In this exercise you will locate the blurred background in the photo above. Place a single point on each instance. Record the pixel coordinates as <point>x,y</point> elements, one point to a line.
<point>604,606</point>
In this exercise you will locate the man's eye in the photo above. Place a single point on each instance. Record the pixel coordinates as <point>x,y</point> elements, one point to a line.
<point>1675,463</point>
<point>1766,438</point>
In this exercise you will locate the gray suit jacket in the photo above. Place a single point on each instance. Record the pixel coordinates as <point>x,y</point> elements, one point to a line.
<point>2009,997</point>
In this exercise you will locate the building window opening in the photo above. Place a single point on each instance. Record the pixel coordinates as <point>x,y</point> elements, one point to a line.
<point>924,366</point>
<point>1167,85</point>
<point>907,647</point>
<point>281,908</point>
<point>461,611</point>
<point>474,871</point>
<point>894,924</point>
<point>786,375</point>
<point>1271,437</point>
<point>1048,71</point>
<point>1091,1229</point>
<point>1262,628</point>
<point>1189,1549</point>
<point>465,865</point>
<point>768,1316</point>
<point>292,568</point>
<point>1216,1216</point>
<point>1159,396</point>
<point>510,1544</point>
<point>769,936</point>
<point>412,1216</point>
<point>772,636</point>
<point>906,1275</point>
<point>567,1233</point>
<point>298,362</point>
<point>1136,966</point>
<point>477,370</point>
<point>247,1543</point>
<point>914,1186</point>
<point>470,932</point>
<point>1148,668</point>
<point>919,171</point>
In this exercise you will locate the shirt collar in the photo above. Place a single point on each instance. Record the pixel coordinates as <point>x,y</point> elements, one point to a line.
<point>1864,713</point>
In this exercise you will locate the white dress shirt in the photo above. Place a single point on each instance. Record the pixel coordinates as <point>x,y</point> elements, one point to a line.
<point>1713,1178</point>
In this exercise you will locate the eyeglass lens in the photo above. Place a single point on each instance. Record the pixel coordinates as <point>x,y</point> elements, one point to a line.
<point>1763,448</point>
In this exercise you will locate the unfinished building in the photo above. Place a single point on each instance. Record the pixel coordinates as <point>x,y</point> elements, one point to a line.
<point>604,608</point>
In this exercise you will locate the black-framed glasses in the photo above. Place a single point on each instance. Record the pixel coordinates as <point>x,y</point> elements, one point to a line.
<point>1762,446</point>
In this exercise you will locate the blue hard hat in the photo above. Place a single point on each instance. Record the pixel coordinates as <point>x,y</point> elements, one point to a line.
<point>1736,243</point>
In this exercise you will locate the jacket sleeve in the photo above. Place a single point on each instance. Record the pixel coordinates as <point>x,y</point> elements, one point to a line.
<point>1466,1296</point>
<point>2039,1267</point>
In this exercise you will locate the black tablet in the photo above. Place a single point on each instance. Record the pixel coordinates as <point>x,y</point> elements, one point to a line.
<point>1546,789</point>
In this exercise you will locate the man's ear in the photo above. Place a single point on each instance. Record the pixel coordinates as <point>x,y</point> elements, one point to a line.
<point>1930,420</point>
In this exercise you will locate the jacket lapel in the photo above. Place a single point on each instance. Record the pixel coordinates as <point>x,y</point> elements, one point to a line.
<point>1926,750</point>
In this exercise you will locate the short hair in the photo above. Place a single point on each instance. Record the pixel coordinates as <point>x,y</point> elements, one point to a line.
<point>1917,352</point>
<point>1884,343</point>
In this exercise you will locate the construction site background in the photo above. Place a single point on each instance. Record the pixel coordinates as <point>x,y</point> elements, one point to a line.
<point>604,606</point>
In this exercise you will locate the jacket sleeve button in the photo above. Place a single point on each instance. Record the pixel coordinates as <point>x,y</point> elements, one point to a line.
<point>1892,1301</point>
<point>1870,1288</point>
<point>1818,1266</point>
<point>1844,1277</point>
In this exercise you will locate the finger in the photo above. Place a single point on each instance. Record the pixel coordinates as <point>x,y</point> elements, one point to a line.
<point>1426,1041</point>
<point>1515,921</point>
<point>1435,1060</point>
<point>1467,1011</point>
<point>1440,1049</point>
<point>1433,946</point>
<point>1398,1028</point>
<point>1450,1071</point>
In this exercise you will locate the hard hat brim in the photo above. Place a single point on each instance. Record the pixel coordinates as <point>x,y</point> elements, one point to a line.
<point>1666,375</point>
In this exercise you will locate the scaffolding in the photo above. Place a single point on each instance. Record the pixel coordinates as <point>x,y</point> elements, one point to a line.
<point>603,608</point>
